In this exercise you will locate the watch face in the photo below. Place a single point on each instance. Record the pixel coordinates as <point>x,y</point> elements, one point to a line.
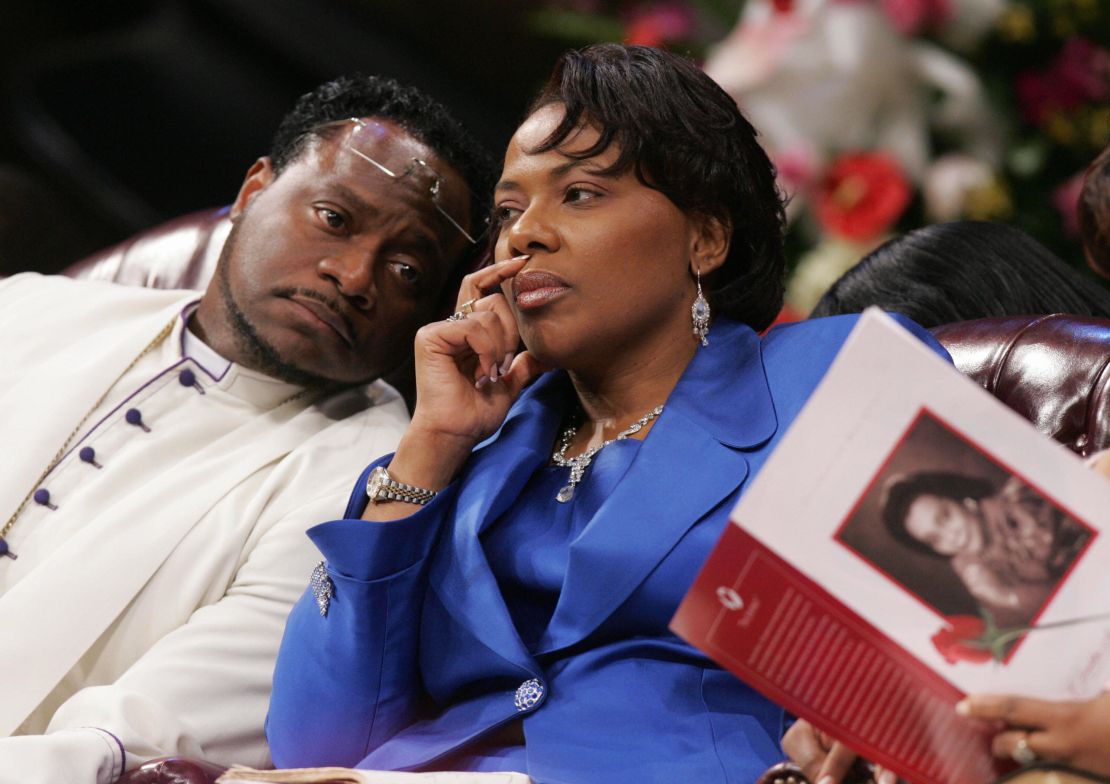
<point>378,478</point>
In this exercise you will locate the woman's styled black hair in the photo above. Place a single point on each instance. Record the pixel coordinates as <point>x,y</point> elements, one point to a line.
<point>685,137</point>
<point>964,270</point>
<point>901,490</point>
<point>423,117</point>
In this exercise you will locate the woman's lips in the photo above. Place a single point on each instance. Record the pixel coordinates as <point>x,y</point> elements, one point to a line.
<point>535,288</point>
<point>323,313</point>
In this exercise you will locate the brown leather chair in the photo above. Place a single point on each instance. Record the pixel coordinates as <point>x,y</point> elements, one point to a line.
<point>180,254</point>
<point>173,770</point>
<point>1052,370</point>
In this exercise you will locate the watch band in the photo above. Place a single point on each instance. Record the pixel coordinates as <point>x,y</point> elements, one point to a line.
<point>380,486</point>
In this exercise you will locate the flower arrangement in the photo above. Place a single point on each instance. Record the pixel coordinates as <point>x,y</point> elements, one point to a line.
<point>884,115</point>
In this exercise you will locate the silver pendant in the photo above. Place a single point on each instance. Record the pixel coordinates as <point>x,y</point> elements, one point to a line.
<point>565,494</point>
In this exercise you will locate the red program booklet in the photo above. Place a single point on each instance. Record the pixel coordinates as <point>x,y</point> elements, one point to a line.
<point>910,540</point>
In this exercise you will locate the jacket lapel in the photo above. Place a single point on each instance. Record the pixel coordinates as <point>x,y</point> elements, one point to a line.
<point>691,461</point>
<point>495,477</point>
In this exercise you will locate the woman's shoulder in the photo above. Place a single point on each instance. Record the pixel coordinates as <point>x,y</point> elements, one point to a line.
<point>824,335</point>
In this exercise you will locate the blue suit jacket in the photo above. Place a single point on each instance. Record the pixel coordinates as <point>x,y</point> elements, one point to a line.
<point>418,658</point>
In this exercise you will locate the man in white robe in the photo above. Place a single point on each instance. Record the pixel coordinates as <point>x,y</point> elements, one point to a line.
<point>164,452</point>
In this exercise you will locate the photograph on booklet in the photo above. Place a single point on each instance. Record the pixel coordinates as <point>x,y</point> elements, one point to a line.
<point>954,527</point>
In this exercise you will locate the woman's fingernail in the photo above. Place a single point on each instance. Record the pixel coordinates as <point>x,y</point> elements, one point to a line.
<point>827,780</point>
<point>963,707</point>
<point>888,777</point>
<point>481,382</point>
<point>508,363</point>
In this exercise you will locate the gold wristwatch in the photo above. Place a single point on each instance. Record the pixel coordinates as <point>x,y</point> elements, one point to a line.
<point>380,486</point>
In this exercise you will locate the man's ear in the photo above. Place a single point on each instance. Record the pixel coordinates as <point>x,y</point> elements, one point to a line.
<point>259,176</point>
<point>709,243</point>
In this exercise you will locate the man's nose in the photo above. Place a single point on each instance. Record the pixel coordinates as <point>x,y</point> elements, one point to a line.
<point>353,276</point>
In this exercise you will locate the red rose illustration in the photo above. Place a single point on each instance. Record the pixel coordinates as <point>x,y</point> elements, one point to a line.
<point>861,196</point>
<point>962,640</point>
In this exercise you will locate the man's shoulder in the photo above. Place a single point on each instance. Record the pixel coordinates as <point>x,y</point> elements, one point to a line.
<point>31,294</point>
<point>353,426</point>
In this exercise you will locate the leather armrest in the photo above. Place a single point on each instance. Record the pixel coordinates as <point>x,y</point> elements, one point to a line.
<point>173,770</point>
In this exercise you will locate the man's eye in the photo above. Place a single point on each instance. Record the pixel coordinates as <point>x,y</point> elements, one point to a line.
<point>406,272</point>
<point>333,219</point>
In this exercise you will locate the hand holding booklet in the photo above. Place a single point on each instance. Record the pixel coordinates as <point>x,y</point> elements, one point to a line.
<point>911,540</point>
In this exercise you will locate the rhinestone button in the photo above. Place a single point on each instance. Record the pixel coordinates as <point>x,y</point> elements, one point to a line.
<point>529,694</point>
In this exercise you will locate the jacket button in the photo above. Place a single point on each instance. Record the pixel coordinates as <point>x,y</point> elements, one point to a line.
<point>529,694</point>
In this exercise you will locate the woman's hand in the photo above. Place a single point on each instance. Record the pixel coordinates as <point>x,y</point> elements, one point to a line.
<point>1072,733</point>
<point>468,373</point>
<point>822,759</point>
<point>1100,461</point>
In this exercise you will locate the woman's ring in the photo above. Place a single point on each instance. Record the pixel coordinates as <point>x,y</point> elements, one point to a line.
<point>464,310</point>
<point>1022,754</point>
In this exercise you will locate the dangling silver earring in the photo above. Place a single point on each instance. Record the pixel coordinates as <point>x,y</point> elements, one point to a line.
<point>699,313</point>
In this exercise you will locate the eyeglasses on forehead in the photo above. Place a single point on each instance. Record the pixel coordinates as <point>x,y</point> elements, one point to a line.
<point>415,170</point>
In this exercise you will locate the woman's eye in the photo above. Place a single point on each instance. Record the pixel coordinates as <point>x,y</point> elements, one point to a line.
<point>579,194</point>
<point>504,214</point>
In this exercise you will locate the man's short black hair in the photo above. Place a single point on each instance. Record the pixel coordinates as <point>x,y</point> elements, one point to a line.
<point>685,137</point>
<point>426,119</point>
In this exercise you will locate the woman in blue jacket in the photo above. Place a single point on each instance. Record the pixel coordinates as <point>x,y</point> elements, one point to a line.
<point>498,594</point>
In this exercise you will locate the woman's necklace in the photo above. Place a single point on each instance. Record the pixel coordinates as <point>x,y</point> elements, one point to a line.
<point>578,465</point>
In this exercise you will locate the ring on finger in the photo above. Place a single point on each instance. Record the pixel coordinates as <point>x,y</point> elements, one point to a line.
<point>464,310</point>
<point>1022,753</point>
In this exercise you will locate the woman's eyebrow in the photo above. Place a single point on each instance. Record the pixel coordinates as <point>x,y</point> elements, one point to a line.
<point>559,171</point>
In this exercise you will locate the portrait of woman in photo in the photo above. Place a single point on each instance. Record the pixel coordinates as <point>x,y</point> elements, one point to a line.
<point>1008,545</point>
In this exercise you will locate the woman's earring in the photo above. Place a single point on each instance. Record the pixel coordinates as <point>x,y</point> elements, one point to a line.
<point>699,313</point>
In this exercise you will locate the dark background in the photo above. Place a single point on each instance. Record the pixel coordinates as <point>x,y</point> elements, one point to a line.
<point>117,116</point>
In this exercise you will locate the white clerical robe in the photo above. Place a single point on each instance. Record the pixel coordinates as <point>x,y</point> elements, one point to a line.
<point>151,588</point>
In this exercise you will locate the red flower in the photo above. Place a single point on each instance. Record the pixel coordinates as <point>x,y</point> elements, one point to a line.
<point>657,24</point>
<point>861,196</point>
<point>957,641</point>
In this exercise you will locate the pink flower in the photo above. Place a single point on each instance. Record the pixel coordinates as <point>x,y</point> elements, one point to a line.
<point>1066,199</point>
<point>659,23</point>
<point>861,196</point>
<point>797,168</point>
<point>1080,73</point>
<point>911,16</point>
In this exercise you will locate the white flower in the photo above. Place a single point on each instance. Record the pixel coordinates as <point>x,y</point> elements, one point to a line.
<point>949,181</point>
<point>820,268</point>
<point>835,76</point>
